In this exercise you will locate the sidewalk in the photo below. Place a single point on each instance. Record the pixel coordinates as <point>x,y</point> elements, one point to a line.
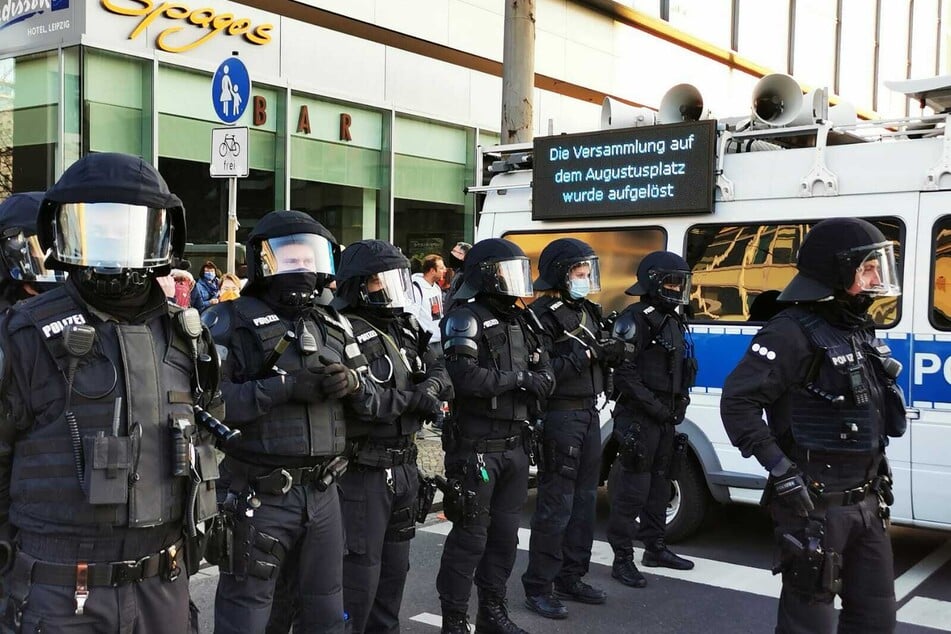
<point>430,458</point>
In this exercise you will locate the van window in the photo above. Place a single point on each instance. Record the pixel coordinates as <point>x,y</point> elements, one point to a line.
<point>941,275</point>
<point>739,269</point>
<point>619,252</point>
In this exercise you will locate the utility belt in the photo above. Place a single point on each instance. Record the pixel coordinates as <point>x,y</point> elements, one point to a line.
<point>167,562</point>
<point>278,481</point>
<point>850,496</point>
<point>490,445</point>
<point>568,404</point>
<point>383,455</point>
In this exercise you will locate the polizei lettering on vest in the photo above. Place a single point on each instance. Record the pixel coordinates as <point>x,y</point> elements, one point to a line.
<point>57,327</point>
<point>267,319</point>
<point>370,334</point>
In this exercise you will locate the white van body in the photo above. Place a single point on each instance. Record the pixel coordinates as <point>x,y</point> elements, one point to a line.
<point>890,176</point>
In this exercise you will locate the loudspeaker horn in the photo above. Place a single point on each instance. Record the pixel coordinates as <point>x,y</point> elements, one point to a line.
<point>777,100</point>
<point>683,102</point>
<point>616,114</point>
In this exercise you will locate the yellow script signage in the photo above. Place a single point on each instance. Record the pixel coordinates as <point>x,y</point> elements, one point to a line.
<point>205,24</point>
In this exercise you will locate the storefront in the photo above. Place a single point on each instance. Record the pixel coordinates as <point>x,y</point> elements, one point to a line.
<point>79,76</point>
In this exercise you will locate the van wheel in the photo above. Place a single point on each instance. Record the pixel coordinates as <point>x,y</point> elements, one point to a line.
<point>689,500</point>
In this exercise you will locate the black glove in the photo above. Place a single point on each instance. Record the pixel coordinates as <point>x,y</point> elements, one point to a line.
<point>338,380</point>
<point>612,351</point>
<point>430,385</point>
<point>680,408</point>
<point>581,356</point>
<point>307,384</point>
<point>534,383</point>
<point>422,402</point>
<point>789,487</point>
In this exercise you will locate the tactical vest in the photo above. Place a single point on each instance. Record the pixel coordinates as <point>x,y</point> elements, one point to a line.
<point>826,413</point>
<point>504,346</point>
<point>576,323</point>
<point>294,429</point>
<point>666,365</point>
<point>127,394</point>
<point>389,366</point>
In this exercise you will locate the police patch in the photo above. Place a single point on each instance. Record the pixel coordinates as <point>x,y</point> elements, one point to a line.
<point>57,327</point>
<point>267,319</point>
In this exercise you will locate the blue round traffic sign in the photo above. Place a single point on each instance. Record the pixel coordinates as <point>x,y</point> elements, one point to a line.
<point>230,90</point>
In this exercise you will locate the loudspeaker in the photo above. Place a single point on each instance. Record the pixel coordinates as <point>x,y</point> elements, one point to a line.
<point>777,100</point>
<point>683,102</point>
<point>615,114</point>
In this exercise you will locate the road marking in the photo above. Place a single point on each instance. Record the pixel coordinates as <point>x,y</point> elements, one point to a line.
<point>431,619</point>
<point>914,576</point>
<point>927,613</point>
<point>708,572</point>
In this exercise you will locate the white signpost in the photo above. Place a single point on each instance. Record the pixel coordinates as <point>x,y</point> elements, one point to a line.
<point>230,93</point>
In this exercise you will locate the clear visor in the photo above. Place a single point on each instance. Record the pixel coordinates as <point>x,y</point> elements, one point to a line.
<point>297,253</point>
<point>876,273</point>
<point>587,269</point>
<point>112,235</point>
<point>673,286</point>
<point>25,259</point>
<point>390,289</point>
<point>508,277</point>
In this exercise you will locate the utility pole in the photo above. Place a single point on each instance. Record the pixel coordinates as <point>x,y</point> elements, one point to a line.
<point>518,71</point>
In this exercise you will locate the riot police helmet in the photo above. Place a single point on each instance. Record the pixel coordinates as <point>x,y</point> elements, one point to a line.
<point>22,260</point>
<point>373,274</point>
<point>569,265</point>
<point>112,217</point>
<point>843,255</point>
<point>289,242</point>
<point>496,267</point>
<point>664,276</point>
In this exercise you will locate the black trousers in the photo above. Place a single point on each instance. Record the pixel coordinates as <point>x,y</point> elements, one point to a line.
<point>377,558</point>
<point>483,551</point>
<point>563,523</point>
<point>309,527</point>
<point>868,587</point>
<point>643,494</point>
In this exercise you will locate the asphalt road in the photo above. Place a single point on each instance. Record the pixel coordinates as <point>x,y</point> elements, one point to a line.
<point>730,590</point>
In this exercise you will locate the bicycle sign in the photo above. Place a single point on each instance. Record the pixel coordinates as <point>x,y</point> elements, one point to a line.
<point>229,152</point>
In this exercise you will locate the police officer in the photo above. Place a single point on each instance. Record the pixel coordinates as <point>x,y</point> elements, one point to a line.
<point>381,485</point>
<point>827,385</point>
<point>99,381</point>
<point>500,374</point>
<point>23,272</point>
<point>563,524</point>
<point>652,383</point>
<point>288,401</point>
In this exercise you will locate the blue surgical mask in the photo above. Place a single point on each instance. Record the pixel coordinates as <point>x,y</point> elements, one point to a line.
<point>579,288</point>
<point>209,275</point>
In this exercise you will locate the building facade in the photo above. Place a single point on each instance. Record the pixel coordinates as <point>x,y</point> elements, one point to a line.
<point>368,113</point>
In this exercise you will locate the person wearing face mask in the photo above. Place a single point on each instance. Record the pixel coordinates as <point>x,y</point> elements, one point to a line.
<point>455,264</point>
<point>205,291</point>
<point>23,272</point>
<point>104,474</point>
<point>828,387</point>
<point>502,376</point>
<point>278,480</point>
<point>652,384</point>
<point>563,523</point>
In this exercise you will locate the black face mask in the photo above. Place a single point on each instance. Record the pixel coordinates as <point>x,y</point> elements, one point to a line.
<point>290,290</point>
<point>134,300</point>
<point>499,304</point>
<point>454,262</point>
<point>849,311</point>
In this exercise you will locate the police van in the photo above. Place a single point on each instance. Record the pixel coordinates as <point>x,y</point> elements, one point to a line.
<point>735,198</point>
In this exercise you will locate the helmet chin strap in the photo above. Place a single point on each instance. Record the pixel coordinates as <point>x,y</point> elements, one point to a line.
<point>114,285</point>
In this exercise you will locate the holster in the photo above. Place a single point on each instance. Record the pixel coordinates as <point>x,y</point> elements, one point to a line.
<point>425,497</point>
<point>678,458</point>
<point>459,503</point>
<point>450,435</point>
<point>219,536</point>
<point>632,452</point>
<point>808,567</point>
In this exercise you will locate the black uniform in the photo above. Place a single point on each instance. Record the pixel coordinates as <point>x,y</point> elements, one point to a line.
<point>280,500</point>
<point>570,451</point>
<point>652,385</point>
<point>105,475</point>
<point>499,373</point>
<point>827,386</point>
<point>380,489</point>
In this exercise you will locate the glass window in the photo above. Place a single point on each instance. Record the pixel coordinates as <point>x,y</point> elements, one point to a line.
<point>347,212</point>
<point>941,274</point>
<point>763,32</point>
<point>892,55</point>
<point>734,264</point>
<point>619,252</point>
<point>29,113</point>
<point>857,72</point>
<point>924,38</point>
<point>709,20</point>
<point>118,100</point>
<point>814,49</point>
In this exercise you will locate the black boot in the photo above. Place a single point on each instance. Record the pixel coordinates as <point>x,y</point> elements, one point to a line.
<point>455,622</point>
<point>658,555</point>
<point>627,573</point>
<point>493,617</point>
